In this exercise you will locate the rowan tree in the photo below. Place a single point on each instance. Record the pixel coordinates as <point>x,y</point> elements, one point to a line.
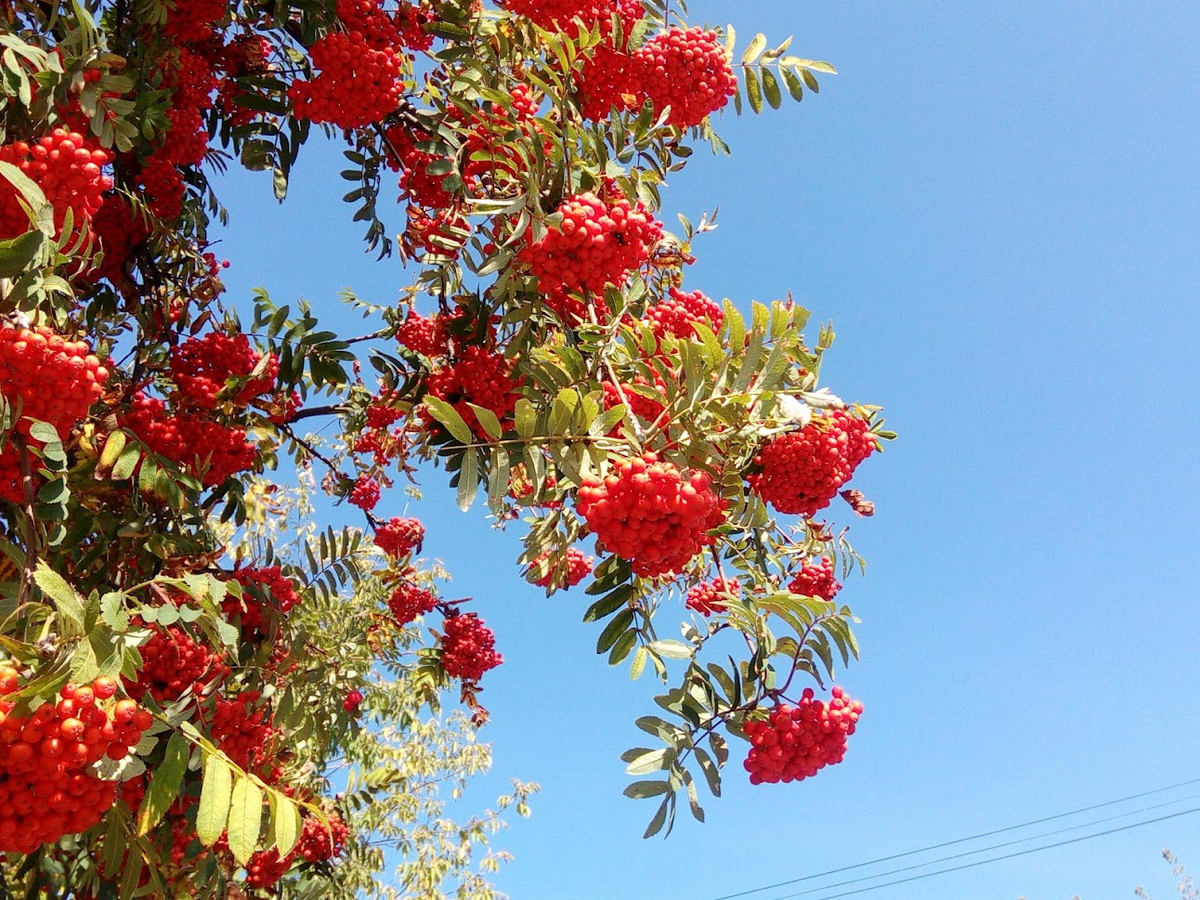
<point>204,694</point>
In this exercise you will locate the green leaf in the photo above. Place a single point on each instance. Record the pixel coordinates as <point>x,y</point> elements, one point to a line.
<point>285,822</point>
<point>651,761</point>
<point>68,603</point>
<point>757,45</point>
<point>673,649</point>
<point>214,800</point>
<point>448,416</point>
<point>614,630</point>
<point>488,420</point>
<point>468,479</point>
<point>245,819</point>
<point>753,90</point>
<point>771,89</point>
<point>609,604</point>
<point>164,786</point>
<point>16,254</point>
<point>660,817</point>
<point>640,790</point>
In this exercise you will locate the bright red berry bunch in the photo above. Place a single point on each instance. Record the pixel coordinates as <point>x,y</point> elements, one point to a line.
<point>266,868</point>
<point>246,734</point>
<point>356,84</point>
<point>173,662</point>
<point>479,376</point>
<point>201,368</point>
<point>468,647</point>
<point>193,21</point>
<point>422,334</point>
<point>67,167</point>
<point>192,441</point>
<point>651,514</point>
<point>678,313</point>
<point>365,493</point>
<point>608,79</point>
<point>800,472</point>
<point>572,570</point>
<point>712,596</point>
<point>795,742</point>
<point>648,409</point>
<point>262,586</point>
<point>46,377</point>
<point>687,69</point>
<point>320,844</point>
<point>398,537</point>
<point>46,789</point>
<point>380,414</point>
<point>557,15</point>
<point>120,231</point>
<point>595,242</point>
<point>815,579</point>
<point>353,701</point>
<point>409,601</point>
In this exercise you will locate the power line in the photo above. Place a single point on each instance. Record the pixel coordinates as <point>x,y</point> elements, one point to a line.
<point>984,862</point>
<point>963,840</point>
<point>991,847</point>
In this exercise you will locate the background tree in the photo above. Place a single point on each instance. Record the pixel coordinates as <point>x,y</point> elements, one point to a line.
<point>205,691</point>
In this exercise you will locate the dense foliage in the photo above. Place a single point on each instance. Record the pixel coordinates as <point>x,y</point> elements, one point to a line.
<point>204,694</point>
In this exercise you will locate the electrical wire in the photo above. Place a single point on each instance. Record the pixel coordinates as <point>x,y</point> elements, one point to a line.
<point>984,862</point>
<point>957,841</point>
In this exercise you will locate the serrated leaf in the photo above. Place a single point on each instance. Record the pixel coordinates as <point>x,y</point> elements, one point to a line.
<point>651,761</point>
<point>68,603</point>
<point>285,822</point>
<point>753,90</point>
<point>771,89</point>
<point>16,254</point>
<point>660,817</point>
<point>245,819</point>
<point>449,417</point>
<point>214,800</point>
<point>641,790</point>
<point>757,45</point>
<point>165,784</point>
<point>468,479</point>
<point>614,629</point>
<point>488,420</point>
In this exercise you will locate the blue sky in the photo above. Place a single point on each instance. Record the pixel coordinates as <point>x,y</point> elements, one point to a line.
<point>998,205</point>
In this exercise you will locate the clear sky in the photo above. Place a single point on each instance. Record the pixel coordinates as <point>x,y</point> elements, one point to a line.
<point>998,205</point>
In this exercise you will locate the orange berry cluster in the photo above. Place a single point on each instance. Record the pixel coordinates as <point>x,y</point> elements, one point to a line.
<point>795,742</point>
<point>194,20</point>
<point>645,408</point>
<point>422,334</point>
<point>320,844</point>
<point>174,662</point>
<point>441,231</point>
<point>67,167</point>
<point>468,647</point>
<point>557,15</point>
<point>46,377</point>
<point>365,493</point>
<point>815,579</point>
<point>688,70</point>
<point>247,735</point>
<point>479,376</point>
<point>46,788</point>
<point>261,586</point>
<point>711,596</point>
<point>595,242</point>
<point>651,514</point>
<point>192,441</point>
<point>409,601</point>
<point>398,537</point>
<point>800,472</point>
<point>120,231</point>
<point>678,313</point>
<point>577,567</point>
<point>201,368</point>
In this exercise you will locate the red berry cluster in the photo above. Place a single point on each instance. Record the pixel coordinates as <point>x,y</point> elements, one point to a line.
<point>67,167</point>
<point>358,78</point>
<point>712,596</point>
<point>795,742</point>
<point>595,242</point>
<point>174,662</point>
<point>201,368</point>
<point>608,79</point>
<point>266,868</point>
<point>558,14</point>
<point>424,335</point>
<point>577,567</point>
<point>688,70</point>
<point>468,647</point>
<point>442,232</point>
<point>320,844</point>
<point>800,472</point>
<point>645,408</point>
<point>418,186</point>
<point>120,231</point>
<point>44,377</point>
<point>651,514</point>
<point>353,701</point>
<point>193,81</point>
<point>398,537</point>
<point>262,586</point>
<point>815,579</point>
<point>190,440</point>
<point>678,313</point>
<point>45,788</point>
<point>409,601</point>
<point>380,412</point>
<point>194,20</point>
<point>246,734</point>
<point>365,493</point>
<point>479,376</point>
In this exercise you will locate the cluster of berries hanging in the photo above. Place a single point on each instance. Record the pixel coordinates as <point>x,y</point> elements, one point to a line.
<point>569,572</point>
<point>596,241</point>
<point>247,734</point>
<point>712,596</point>
<point>801,471</point>
<point>795,742</point>
<point>46,377</point>
<point>468,647</point>
<point>648,409</point>
<point>678,313</point>
<point>651,514</point>
<point>193,441</point>
<point>816,579</point>
<point>119,230</point>
<point>423,334</point>
<point>365,494</point>
<point>481,377</point>
<point>399,537</point>
<point>262,587</point>
<point>67,167</point>
<point>408,601</point>
<point>202,367</point>
<point>46,787</point>
<point>174,662</point>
